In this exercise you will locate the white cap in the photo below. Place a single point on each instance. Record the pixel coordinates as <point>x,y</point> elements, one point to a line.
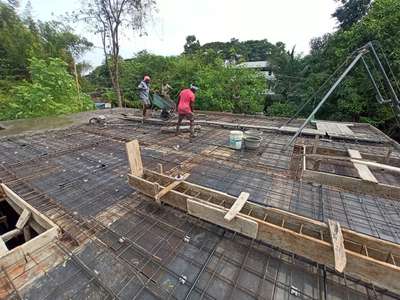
<point>193,87</point>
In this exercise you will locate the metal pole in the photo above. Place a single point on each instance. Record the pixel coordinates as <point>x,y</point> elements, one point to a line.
<point>381,99</point>
<point>356,59</point>
<point>370,45</point>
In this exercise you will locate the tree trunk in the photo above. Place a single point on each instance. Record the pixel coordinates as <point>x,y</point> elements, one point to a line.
<point>117,86</point>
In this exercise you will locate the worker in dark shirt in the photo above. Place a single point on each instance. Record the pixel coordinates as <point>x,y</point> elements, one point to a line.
<point>185,108</point>
<point>144,94</point>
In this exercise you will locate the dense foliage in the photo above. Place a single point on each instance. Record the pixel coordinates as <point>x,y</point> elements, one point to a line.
<point>221,88</point>
<point>26,47</point>
<point>51,91</point>
<point>355,99</point>
<point>36,60</point>
<point>350,12</point>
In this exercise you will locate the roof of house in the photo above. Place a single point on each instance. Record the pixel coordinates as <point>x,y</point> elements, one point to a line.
<point>254,64</point>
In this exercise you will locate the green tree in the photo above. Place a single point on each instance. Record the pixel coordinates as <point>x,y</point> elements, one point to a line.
<point>192,45</point>
<point>51,91</point>
<point>350,12</point>
<point>109,18</point>
<point>355,98</point>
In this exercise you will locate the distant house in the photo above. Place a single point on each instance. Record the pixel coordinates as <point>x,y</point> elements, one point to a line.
<point>263,66</point>
<point>99,101</point>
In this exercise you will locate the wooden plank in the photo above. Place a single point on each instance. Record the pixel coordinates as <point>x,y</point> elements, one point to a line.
<point>377,165</point>
<point>306,131</point>
<point>10,234</point>
<point>3,247</point>
<point>335,129</point>
<point>134,158</point>
<point>170,187</point>
<point>354,153</point>
<point>23,219</point>
<point>353,184</point>
<point>364,172</point>
<point>237,206</point>
<point>338,246</point>
<point>216,215</point>
<point>346,130</point>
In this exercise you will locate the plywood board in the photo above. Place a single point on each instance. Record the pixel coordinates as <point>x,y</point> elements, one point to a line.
<point>363,170</point>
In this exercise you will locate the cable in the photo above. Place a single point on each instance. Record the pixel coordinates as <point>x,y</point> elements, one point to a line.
<point>388,64</point>
<point>320,88</point>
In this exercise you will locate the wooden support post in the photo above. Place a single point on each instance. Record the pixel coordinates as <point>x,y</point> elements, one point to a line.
<point>3,247</point>
<point>161,168</point>
<point>134,158</point>
<point>23,219</point>
<point>27,233</point>
<point>338,245</point>
<point>11,234</point>
<point>237,206</point>
<point>170,187</point>
<point>364,172</point>
<point>387,158</point>
<point>316,143</point>
<point>2,193</point>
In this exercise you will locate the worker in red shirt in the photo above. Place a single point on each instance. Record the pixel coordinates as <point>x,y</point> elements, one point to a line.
<point>185,108</point>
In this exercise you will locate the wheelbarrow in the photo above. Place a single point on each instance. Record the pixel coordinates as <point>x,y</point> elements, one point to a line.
<point>167,106</point>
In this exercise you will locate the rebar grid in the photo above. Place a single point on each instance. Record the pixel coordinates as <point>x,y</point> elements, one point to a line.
<point>57,165</point>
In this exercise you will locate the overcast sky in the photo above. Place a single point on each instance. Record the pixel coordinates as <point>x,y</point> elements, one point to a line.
<point>294,22</point>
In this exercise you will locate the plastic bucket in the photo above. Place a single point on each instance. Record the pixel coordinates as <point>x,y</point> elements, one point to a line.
<point>255,133</point>
<point>235,139</point>
<point>252,142</point>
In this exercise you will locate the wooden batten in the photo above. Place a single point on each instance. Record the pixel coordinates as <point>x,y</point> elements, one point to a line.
<point>170,187</point>
<point>338,245</point>
<point>237,206</point>
<point>23,219</point>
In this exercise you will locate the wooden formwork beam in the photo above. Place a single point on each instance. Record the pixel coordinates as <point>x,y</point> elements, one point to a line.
<point>352,184</point>
<point>134,158</point>
<point>367,184</point>
<point>302,236</point>
<point>361,256</point>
